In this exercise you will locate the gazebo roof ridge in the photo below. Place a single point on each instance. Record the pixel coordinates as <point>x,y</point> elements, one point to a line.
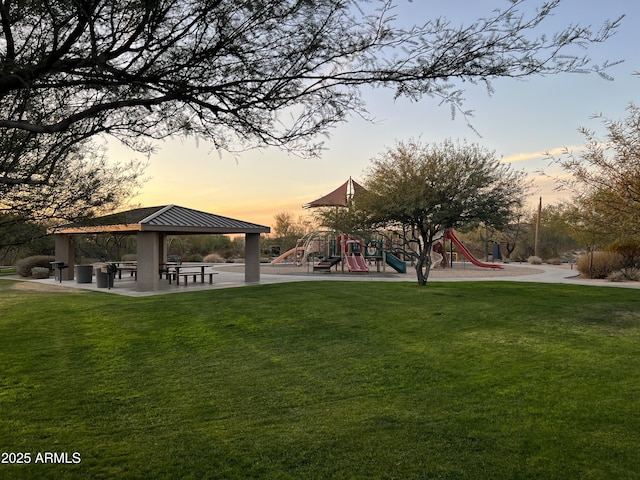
<point>156,213</point>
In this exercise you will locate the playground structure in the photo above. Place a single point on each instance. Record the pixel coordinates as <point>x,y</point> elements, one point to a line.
<point>325,249</point>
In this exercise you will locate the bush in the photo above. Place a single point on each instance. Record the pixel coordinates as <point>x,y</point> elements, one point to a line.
<point>569,257</point>
<point>632,274</point>
<point>602,265</point>
<point>213,258</point>
<point>192,257</point>
<point>533,260</point>
<point>624,275</point>
<point>129,257</point>
<point>40,272</point>
<point>629,249</point>
<point>24,266</point>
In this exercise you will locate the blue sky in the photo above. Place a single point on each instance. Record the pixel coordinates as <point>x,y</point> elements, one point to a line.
<point>520,121</point>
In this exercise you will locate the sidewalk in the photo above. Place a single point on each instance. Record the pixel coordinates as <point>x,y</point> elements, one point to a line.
<point>520,272</point>
<point>232,275</point>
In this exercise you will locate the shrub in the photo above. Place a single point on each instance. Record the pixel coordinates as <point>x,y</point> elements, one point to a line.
<point>192,257</point>
<point>569,257</point>
<point>629,249</point>
<point>632,274</point>
<point>40,272</point>
<point>533,260</point>
<point>555,261</point>
<point>624,275</point>
<point>213,258</point>
<point>601,266</point>
<point>129,257</point>
<point>24,266</point>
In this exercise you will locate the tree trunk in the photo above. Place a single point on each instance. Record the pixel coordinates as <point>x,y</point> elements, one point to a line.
<point>423,265</point>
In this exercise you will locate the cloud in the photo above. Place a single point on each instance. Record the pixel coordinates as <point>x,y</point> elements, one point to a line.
<point>525,157</point>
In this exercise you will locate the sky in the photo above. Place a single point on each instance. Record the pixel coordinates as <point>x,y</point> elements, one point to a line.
<point>520,121</point>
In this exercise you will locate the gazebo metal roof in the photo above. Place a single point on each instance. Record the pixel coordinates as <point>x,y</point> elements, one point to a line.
<point>170,219</point>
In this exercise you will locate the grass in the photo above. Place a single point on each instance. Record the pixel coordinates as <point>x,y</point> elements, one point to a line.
<point>324,380</point>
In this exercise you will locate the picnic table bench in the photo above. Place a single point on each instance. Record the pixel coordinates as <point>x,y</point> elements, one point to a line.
<point>131,267</point>
<point>186,271</point>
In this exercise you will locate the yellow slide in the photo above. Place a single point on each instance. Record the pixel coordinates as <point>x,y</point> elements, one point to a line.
<point>286,254</point>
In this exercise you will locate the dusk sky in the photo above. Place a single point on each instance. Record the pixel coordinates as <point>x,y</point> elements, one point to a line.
<point>520,121</point>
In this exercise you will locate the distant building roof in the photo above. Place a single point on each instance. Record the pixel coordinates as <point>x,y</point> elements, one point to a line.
<point>170,219</point>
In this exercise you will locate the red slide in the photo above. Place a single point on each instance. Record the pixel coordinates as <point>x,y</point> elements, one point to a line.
<point>465,251</point>
<point>354,265</point>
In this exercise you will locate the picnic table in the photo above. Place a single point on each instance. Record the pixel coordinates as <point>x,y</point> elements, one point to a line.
<point>185,271</point>
<point>128,266</point>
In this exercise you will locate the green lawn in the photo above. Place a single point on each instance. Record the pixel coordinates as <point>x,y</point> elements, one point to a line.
<point>324,380</point>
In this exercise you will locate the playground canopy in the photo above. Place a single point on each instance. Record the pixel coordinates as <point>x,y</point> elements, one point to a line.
<point>340,197</point>
<point>151,225</point>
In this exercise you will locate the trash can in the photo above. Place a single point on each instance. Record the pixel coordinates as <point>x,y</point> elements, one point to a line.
<point>84,273</point>
<point>104,278</point>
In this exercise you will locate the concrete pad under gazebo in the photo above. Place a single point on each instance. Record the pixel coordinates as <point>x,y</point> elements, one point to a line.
<point>151,225</point>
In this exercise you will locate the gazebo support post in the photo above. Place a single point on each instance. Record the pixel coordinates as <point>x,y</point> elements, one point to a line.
<point>252,257</point>
<point>148,261</point>
<point>65,252</point>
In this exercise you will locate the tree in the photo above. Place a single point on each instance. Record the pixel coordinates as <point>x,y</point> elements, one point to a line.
<point>240,73</point>
<point>82,185</point>
<point>288,230</point>
<point>605,176</point>
<point>558,230</point>
<point>428,188</point>
<point>512,234</point>
<point>21,238</point>
<point>588,226</point>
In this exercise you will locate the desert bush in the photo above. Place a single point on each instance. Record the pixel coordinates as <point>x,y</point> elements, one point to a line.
<point>555,261</point>
<point>40,272</point>
<point>629,249</point>
<point>24,266</point>
<point>617,276</point>
<point>625,275</point>
<point>192,257</point>
<point>533,260</point>
<point>213,258</point>
<point>632,273</point>
<point>601,266</point>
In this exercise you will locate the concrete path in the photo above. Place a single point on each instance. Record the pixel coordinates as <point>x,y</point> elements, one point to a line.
<point>233,276</point>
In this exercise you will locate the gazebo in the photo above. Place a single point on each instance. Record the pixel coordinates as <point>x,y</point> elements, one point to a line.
<point>151,225</point>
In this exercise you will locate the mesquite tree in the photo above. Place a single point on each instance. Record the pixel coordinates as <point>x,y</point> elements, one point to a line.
<point>606,174</point>
<point>420,190</point>
<point>241,73</point>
